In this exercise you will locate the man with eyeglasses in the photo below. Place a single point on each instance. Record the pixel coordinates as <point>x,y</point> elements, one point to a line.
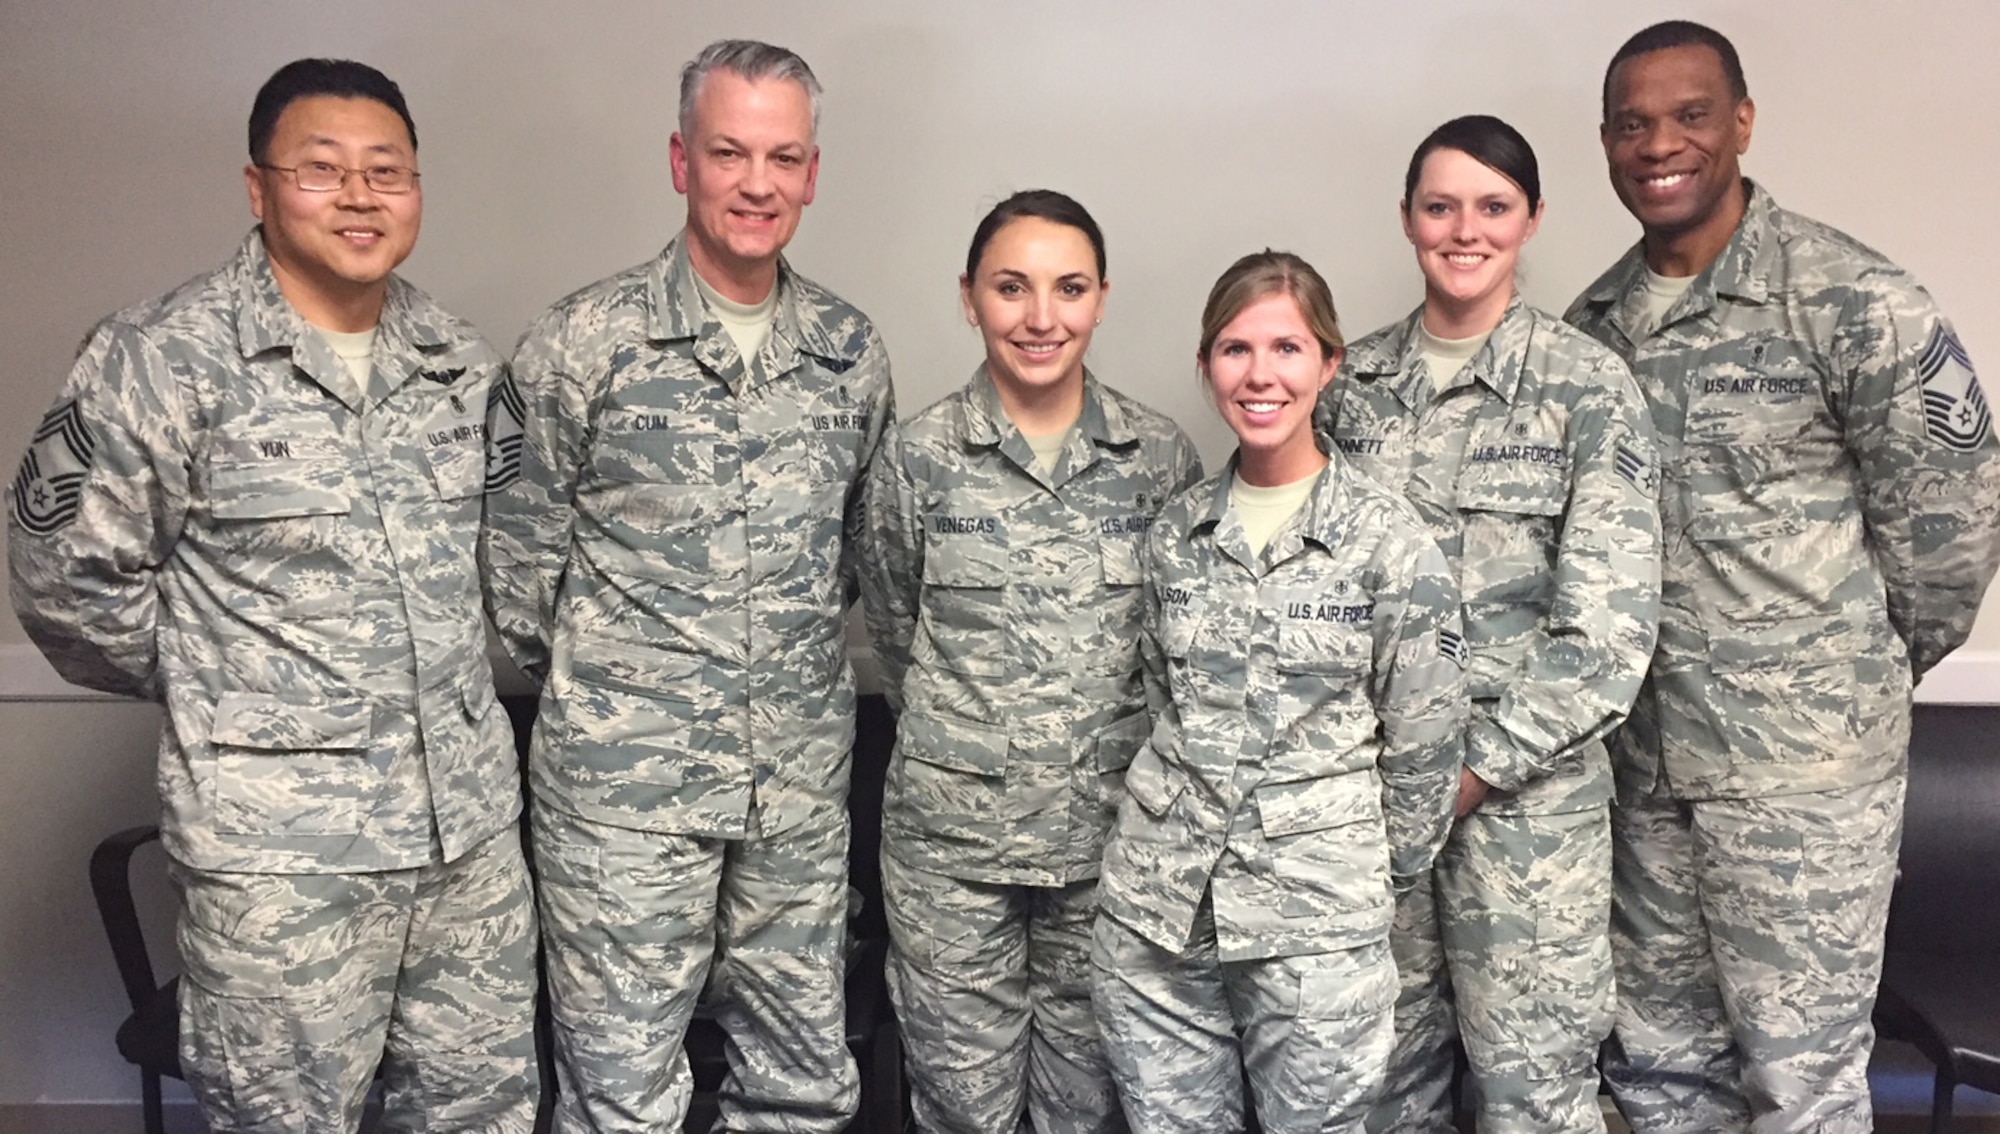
<point>257,500</point>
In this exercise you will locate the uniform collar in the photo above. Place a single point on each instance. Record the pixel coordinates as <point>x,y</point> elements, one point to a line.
<point>1102,424</point>
<point>1742,272</point>
<point>406,333</point>
<point>679,314</point>
<point>1392,355</point>
<point>1319,523</point>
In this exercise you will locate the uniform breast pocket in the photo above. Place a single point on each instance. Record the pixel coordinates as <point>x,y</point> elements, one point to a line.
<point>1118,607</point>
<point>965,598</point>
<point>1324,709</point>
<point>281,505</point>
<point>455,444</point>
<point>1512,513</point>
<point>291,766</point>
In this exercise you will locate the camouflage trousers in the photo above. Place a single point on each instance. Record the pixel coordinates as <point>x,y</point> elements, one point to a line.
<point>1748,939</point>
<point>296,986</point>
<point>1524,902</point>
<point>1185,1029</point>
<point>992,991</point>
<point>633,920</point>
<point>1416,1088</point>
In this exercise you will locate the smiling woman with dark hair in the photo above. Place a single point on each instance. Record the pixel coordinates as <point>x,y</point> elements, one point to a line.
<point>1002,579</point>
<point>1527,450</point>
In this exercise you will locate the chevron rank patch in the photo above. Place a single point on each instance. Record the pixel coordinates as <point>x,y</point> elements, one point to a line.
<point>1955,411</point>
<point>49,489</point>
<point>504,414</point>
<point>1452,645</point>
<point>1635,468</point>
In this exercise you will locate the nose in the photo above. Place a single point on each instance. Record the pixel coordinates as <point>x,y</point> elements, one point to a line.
<point>1661,139</point>
<point>1464,226</point>
<point>757,178</point>
<point>1041,311</point>
<point>354,192</point>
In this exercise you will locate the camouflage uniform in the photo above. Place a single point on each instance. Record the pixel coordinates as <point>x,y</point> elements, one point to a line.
<point>215,516</point>
<point>1534,468</point>
<point>667,549</point>
<point>1004,602</point>
<point>1308,706</point>
<point>1829,505</point>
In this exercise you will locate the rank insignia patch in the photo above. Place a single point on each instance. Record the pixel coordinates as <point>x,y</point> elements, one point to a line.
<point>1955,412</point>
<point>1452,645</point>
<point>503,435</point>
<point>49,488</point>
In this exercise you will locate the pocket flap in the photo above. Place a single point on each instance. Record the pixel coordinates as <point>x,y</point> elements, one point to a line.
<point>1119,741</point>
<point>955,743</point>
<point>1324,647</point>
<point>1535,484</point>
<point>1153,783</point>
<point>1317,804</point>
<point>963,561</point>
<point>664,674</point>
<point>264,490</point>
<point>267,723</point>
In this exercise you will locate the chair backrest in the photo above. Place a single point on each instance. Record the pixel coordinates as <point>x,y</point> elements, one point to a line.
<point>1948,893</point>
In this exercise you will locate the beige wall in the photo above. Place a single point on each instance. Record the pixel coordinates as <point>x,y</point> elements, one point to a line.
<point>1195,131</point>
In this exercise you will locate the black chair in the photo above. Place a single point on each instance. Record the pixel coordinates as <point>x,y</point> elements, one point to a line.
<point>1941,973</point>
<point>149,1038</point>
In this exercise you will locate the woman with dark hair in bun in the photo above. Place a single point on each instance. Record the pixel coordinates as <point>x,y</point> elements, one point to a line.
<point>1527,450</point>
<point>1001,570</point>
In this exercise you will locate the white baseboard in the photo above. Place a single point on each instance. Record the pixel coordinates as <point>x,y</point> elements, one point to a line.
<point>1969,677</point>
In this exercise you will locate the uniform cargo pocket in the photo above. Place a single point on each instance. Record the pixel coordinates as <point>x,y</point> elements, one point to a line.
<point>637,714</point>
<point>291,768</point>
<point>965,602</point>
<point>960,745</point>
<point>1153,783</point>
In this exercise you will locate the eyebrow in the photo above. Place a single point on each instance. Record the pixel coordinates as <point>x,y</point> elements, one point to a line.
<point>377,148</point>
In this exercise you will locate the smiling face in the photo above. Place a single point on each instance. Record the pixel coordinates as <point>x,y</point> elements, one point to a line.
<point>1036,298</point>
<point>1265,370</point>
<point>332,252</point>
<point>1467,222</point>
<point>1672,134</point>
<point>748,166</point>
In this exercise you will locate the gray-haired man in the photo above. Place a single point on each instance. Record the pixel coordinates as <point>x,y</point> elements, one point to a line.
<point>677,489</point>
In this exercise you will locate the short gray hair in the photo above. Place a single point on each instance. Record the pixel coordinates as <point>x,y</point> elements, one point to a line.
<point>752,60</point>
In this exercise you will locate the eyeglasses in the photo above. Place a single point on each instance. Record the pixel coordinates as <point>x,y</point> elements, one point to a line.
<point>326,177</point>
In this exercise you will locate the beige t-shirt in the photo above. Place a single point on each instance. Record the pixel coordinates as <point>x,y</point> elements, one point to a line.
<point>1662,292</point>
<point>1264,510</point>
<point>356,351</point>
<point>749,324</point>
<point>1446,357</point>
<point>1048,446</point>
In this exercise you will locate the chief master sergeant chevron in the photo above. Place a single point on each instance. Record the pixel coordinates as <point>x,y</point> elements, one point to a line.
<point>258,500</point>
<point>1828,505</point>
<point>678,496</point>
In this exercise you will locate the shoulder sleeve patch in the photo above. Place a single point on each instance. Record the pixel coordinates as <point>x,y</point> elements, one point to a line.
<point>1452,645</point>
<point>1635,468</point>
<point>1955,412</point>
<point>504,415</point>
<point>49,489</point>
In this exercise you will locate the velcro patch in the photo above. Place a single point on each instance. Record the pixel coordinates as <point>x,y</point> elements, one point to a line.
<point>49,489</point>
<point>503,435</point>
<point>1955,411</point>
<point>1452,645</point>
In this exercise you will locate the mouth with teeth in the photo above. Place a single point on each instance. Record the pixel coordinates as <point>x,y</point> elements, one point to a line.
<point>1038,352</point>
<point>1664,184</point>
<point>362,236</point>
<point>1465,259</point>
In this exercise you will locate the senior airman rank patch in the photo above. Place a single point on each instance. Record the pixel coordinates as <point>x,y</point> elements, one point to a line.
<point>49,488</point>
<point>1635,468</point>
<point>1955,412</point>
<point>1452,645</point>
<point>504,414</point>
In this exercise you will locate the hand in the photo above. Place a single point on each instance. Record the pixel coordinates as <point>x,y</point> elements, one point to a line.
<point>1471,791</point>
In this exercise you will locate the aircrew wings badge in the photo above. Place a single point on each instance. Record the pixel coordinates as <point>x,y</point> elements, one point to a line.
<point>49,489</point>
<point>1955,412</point>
